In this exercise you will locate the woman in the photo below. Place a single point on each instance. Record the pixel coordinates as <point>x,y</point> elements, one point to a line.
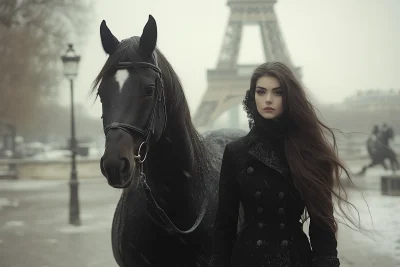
<point>283,167</point>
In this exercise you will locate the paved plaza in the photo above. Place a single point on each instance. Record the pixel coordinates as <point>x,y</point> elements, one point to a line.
<point>34,228</point>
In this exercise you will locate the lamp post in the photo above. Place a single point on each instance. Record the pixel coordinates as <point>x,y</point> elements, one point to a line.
<point>71,60</point>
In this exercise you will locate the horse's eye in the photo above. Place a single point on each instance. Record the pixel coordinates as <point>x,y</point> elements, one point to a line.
<point>149,90</point>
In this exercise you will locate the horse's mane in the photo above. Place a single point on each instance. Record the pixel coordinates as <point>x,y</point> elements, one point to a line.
<point>187,142</point>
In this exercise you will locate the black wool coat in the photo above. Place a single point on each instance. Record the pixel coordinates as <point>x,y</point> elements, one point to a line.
<point>258,218</point>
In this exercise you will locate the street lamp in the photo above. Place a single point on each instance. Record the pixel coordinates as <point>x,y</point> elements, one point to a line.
<point>71,60</point>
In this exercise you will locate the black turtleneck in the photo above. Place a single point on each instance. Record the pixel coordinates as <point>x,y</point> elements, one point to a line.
<point>272,129</point>
<point>272,132</point>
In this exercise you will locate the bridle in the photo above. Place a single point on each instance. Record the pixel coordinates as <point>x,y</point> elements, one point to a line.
<point>152,132</point>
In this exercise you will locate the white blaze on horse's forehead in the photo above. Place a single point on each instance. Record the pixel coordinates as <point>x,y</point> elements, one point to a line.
<point>121,76</point>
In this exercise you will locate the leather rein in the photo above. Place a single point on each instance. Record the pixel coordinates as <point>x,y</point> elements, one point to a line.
<point>148,132</point>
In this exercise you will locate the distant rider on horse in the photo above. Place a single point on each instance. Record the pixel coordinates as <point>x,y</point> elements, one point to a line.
<point>378,149</point>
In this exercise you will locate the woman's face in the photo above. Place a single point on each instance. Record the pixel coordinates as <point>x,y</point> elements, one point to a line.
<point>268,97</point>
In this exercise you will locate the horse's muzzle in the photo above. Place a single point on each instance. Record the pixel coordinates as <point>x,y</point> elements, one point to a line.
<point>117,171</point>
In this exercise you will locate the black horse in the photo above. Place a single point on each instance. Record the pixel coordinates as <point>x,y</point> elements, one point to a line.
<point>379,150</point>
<point>167,170</point>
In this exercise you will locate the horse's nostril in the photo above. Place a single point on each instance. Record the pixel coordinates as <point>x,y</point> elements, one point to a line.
<point>125,166</point>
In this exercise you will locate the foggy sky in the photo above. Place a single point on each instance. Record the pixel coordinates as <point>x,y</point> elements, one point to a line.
<point>342,45</point>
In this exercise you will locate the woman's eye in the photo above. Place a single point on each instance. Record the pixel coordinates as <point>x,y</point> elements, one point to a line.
<point>260,92</point>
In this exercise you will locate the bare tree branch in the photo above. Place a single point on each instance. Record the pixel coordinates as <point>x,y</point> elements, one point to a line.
<point>30,52</point>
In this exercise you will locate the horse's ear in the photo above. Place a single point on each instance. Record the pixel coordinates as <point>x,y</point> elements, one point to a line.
<point>148,40</point>
<point>108,40</point>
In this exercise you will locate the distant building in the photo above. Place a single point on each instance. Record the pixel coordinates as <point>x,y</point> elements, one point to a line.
<point>374,100</point>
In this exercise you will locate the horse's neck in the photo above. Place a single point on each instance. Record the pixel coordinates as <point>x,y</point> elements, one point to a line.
<point>180,145</point>
<point>167,166</point>
<point>162,155</point>
<point>174,190</point>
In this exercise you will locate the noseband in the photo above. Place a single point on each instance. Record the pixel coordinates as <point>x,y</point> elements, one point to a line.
<point>148,133</point>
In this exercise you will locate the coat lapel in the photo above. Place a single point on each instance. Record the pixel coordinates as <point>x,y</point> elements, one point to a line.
<point>264,153</point>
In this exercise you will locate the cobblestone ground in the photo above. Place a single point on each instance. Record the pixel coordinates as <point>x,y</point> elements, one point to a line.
<point>34,230</point>
<point>381,246</point>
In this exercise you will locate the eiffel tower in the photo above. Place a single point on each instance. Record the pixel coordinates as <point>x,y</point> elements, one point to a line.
<point>228,82</point>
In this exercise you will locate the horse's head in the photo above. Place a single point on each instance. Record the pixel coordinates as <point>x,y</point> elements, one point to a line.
<point>133,102</point>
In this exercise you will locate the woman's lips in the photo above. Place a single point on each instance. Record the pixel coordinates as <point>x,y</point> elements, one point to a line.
<point>269,109</point>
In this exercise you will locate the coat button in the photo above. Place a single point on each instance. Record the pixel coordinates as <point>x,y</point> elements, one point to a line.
<point>284,243</point>
<point>259,243</point>
<point>257,194</point>
<point>250,170</point>
<point>261,225</point>
<point>282,226</point>
<point>281,195</point>
<point>260,209</point>
<point>281,211</point>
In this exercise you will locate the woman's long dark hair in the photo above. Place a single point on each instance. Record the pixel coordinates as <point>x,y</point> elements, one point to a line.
<point>312,158</point>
